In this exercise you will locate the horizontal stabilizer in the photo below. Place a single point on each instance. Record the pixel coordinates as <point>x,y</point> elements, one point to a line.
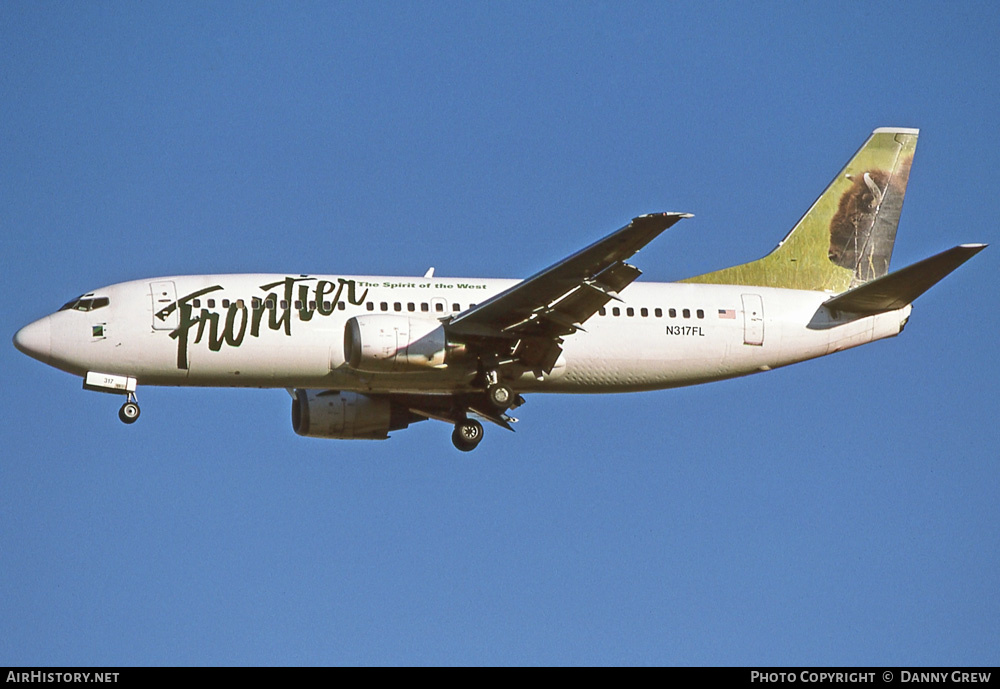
<point>896,290</point>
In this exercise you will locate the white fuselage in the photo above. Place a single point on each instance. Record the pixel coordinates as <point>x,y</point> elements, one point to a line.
<point>662,335</point>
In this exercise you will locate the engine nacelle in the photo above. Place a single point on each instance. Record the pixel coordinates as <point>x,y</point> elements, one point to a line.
<point>347,415</point>
<point>389,343</point>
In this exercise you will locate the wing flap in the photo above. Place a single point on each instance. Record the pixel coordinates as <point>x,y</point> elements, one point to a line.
<point>616,277</point>
<point>451,407</point>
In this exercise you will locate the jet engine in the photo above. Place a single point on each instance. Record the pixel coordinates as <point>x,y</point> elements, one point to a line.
<point>347,415</point>
<point>388,343</point>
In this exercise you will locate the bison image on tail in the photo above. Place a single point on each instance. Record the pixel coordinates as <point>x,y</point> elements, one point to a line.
<point>863,229</point>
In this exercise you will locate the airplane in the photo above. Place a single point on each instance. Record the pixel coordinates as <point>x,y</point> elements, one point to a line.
<point>364,356</point>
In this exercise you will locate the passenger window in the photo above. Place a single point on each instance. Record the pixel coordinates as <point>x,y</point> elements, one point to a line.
<point>196,303</point>
<point>411,306</point>
<point>269,303</point>
<point>687,313</point>
<point>630,312</point>
<point>658,312</point>
<point>284,304</point>
<point>616,311</point>
<point>603,311</point>
<point>397,306</point>
<point>225,303</point>
<point>211,303</point>
<point>700,313</point>
<point>240,303</point>
<point>298,305</point>
<point>370,306</point>
<point>644,312</point>
<point>439,307</point>
<point>673,313</point>
<point>327,306</point>
<point>312,306</point>
<point>456,307</point>
<point>383,306</point>
<point>424,306</point>
<point>256,303</point>
<point>341,305</point>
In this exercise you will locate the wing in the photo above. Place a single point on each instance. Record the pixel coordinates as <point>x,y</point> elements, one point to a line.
<point>525,324</point>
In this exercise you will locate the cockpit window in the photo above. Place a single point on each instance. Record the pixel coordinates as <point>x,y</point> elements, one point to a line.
<point>85,303</point>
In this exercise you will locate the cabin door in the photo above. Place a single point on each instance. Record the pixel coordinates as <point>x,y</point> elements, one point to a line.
<point>753,320</point>
<point>164,296</point>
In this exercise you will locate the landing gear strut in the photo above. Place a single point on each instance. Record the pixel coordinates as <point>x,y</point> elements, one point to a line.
<point>467,434</point>
<point>129,413</point>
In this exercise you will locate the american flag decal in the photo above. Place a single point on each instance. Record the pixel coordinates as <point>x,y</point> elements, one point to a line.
<point>727,313</point>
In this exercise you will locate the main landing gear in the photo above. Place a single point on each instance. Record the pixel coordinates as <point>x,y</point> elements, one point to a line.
<point>467,434</point>
<point>499,398</point>
<point>500,395</point>
<point>129,413</point>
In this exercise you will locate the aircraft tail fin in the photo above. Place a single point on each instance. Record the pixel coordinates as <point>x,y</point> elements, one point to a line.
<point>896,290</point>
<point>845,239</point>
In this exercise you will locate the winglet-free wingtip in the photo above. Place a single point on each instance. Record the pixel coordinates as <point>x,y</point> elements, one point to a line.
<point>656,222</point>
<point>667,214</point>
<point>659,220</point>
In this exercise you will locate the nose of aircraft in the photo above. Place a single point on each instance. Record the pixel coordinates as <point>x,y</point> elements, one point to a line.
<point>35,339</point>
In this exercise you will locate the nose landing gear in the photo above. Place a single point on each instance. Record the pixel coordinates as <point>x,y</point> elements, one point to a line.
<point>129,413</point>
<point>118,385</point>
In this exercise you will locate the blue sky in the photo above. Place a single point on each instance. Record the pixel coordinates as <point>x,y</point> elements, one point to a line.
<point>841,511</point>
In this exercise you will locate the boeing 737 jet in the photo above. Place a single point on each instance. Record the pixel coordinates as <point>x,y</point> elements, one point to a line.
<point>363,356</point>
